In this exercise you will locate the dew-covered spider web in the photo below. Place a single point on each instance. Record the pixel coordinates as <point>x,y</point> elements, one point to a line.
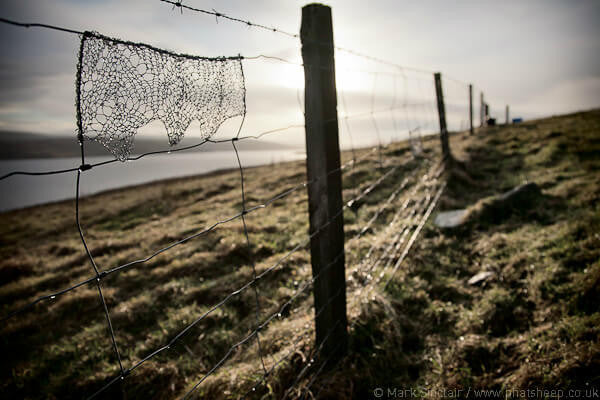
<point>122,86</point>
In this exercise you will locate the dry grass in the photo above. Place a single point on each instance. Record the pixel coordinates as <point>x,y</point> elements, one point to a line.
<point>61,348</point>
<point>534,324</point>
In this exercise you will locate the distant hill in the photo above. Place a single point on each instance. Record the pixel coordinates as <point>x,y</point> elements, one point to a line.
<point>20,145</point>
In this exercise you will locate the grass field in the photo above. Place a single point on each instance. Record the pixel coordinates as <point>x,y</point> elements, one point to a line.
<point>535,323</point>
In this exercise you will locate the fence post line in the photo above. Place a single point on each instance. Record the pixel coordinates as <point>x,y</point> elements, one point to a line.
<point>507,119</point>
<point>325,194</point>
<point>470,109</point>
<point>442,116</point>
<point>486,112</point>
<point>481,110</point>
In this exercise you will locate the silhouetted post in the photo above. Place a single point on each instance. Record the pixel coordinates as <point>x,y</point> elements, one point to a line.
<point>507,114</point>
<point>470,109</point>
<point>481,110</point>
<point>442,114</point>
<point>325,194</point>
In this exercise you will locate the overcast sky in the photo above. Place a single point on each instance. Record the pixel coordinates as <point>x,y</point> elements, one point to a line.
<point>541,57</point>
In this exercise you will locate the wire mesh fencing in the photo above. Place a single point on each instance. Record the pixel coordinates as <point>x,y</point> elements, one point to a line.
<point>201,287</point>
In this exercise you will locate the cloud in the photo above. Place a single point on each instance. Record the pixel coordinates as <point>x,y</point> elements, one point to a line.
<point>539,65</point>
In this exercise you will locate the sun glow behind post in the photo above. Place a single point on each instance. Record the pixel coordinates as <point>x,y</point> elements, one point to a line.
<point>358,91</point>
<point>347,75</point>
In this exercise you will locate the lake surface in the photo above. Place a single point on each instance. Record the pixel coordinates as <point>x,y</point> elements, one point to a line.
<point>22,191</point>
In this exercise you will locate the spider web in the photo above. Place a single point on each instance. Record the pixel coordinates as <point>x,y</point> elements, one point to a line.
<point>122,86</point>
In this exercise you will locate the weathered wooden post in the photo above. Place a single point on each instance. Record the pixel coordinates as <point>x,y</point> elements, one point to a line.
<point>442,115</point>
<point>507,115</point>
<point>325,194</point>
<point>481,110</point>
<point>470,109</point>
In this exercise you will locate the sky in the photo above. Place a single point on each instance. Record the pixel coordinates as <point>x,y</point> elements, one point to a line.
<point>540,57</point>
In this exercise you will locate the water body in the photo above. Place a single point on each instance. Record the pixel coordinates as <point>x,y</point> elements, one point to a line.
<point>23,191</point>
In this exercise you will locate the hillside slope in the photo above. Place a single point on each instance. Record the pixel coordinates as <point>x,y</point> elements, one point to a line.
<point>533,323</point>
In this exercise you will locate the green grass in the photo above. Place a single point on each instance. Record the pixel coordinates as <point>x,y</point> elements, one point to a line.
<point>535,323</point>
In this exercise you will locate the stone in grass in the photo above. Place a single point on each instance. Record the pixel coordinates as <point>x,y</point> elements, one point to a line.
<point>493,209</point>
<point>450,219</point>
<point>480,277</point>
<point>496,209</point>
<point>521,195</point>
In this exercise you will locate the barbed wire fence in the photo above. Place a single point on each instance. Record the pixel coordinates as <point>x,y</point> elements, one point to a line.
<point>372,266</point>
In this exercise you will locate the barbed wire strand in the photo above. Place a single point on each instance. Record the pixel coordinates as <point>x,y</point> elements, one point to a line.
<point>217,15</point>
<point>245,22</point>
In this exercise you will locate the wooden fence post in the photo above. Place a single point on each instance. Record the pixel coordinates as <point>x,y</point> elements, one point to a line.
<point>481,110</point>
<point>470,109</point>
<point>507,114</point>
<point>325,194</point>
<point>442,114</point>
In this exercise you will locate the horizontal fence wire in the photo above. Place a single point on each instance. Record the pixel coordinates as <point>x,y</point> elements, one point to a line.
<point>86,167</point>
<point>105,273</point>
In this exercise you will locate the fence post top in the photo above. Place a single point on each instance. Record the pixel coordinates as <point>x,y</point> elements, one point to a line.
<point>316,6</point>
